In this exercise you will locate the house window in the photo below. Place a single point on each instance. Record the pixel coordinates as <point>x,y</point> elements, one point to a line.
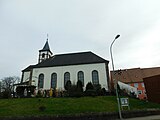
<point>66,77</point>
<point>81,77</point>
<point>95,77</point>
<point>53,80</point>
<point>136,85</point>
<point>40,80</point>
<point>139,92</point>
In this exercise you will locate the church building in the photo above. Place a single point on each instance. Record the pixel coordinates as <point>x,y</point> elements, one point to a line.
<point>54,70</point>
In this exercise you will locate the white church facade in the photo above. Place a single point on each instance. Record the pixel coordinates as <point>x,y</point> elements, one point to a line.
<point>53,71</point>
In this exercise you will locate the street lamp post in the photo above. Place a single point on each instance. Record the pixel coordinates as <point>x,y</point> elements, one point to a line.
<point>116,82</point>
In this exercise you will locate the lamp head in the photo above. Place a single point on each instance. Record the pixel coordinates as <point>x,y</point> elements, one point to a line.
<point>117,36</point>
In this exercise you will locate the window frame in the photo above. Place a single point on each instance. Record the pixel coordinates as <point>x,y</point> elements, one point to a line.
<point>54,80</point>
<point>95,77</point>
<point>66,77</point>
<point>80,77</point>
<point>41,80</point>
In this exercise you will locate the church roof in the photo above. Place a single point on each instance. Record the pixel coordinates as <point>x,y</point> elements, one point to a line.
<point>69,59</point>
<point>29,68</point>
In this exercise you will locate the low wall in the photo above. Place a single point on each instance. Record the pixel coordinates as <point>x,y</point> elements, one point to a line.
<point>93,116</point>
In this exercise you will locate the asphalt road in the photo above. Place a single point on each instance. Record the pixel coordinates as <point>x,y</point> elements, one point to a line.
<point>152,117</point>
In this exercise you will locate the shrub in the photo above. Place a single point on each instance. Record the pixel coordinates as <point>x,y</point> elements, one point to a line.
<point>89,86</point>
<point>104,92</point>
<point>39,94</point>
<point>1,95</point>
<point>29,89</point>
<point>90,92</point>
<point>74,90</point>
<point>20,91</point>
<point>79,86</point>
<point>98,89</point>
<point>68,85</point>
<point>6,94</point>
<point>94,90</point>
<point>54,93</point>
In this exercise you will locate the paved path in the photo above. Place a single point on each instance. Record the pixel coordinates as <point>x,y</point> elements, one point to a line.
<point>152,117</point>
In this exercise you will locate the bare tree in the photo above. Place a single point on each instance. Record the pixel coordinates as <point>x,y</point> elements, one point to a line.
<point>8,83</point>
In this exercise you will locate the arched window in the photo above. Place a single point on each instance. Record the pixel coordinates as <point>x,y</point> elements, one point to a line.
<point>81,77</point>
<point>66,77</point>
<point>40,80</point>
<point>53,80</point>
<point>95,77</point>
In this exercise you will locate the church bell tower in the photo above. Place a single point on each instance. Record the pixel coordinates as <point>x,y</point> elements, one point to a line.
<point>45,53</point>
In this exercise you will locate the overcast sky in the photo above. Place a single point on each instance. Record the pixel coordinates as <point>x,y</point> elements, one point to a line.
<point>78,26</point>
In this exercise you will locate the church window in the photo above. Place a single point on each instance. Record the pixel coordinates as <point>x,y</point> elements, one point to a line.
<point>66,77</point>
<point>81,77</point>
<point>40,81</point>
<point>53,80</point>
<point>95,77</point>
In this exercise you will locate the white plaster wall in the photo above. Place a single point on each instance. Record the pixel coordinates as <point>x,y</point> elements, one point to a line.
<point>26,76</point>
<point>73,70</point>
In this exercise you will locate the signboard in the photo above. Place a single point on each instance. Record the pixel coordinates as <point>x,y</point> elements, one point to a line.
<point>124,102</point>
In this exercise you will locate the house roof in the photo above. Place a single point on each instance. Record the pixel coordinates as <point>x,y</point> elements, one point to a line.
<point>69,59</point>
<point>135,74</point>
<point>128,75</point>
<point>148,72</point>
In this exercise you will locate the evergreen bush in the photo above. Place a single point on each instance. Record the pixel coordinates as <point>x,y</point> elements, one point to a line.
<point>39,94</point>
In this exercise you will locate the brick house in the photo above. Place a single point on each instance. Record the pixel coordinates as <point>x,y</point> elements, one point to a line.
<point>134,77</point>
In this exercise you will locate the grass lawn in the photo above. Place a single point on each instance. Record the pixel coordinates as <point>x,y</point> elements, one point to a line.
<point>65,106</point>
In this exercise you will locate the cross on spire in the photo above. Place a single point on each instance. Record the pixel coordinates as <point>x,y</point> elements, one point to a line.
<point>47,36</point>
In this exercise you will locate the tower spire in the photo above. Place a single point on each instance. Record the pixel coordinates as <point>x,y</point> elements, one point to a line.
<point>45,53</point>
